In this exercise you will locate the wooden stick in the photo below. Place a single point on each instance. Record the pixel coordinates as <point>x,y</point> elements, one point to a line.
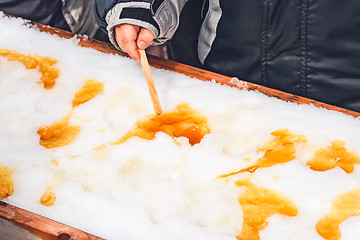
<point>150,82</point>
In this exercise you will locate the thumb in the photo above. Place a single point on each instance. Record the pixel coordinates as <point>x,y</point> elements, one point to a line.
<point>145,38</point>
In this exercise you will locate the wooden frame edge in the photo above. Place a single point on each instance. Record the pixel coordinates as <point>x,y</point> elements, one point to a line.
<point>40,226</point>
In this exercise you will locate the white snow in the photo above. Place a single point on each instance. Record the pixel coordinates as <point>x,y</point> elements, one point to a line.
<point>157,189</point>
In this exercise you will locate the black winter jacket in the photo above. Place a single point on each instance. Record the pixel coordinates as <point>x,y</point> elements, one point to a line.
<point>44,12</point>
<point>70,15</point>
<point>309,48</point>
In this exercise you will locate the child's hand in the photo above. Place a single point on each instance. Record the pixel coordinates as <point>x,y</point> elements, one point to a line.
<point>130,38</point>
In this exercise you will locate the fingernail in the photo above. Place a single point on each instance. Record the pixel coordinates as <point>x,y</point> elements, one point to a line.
<point>142,45</point>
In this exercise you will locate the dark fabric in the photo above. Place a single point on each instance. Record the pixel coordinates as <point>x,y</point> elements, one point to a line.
<point>155,5</point>
<point>183,47</point>
<point>47,12</point>
<point>308,48</point>
<point>103,6</point>
<point>139,14</point>
<point>237,46</point>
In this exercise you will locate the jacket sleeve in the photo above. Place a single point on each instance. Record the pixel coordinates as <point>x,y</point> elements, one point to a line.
<point>161,17</point>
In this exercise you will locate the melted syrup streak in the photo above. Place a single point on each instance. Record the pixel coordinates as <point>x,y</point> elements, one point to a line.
<point>344,206</point>
<point>58,134</point>
<point>90,89</point>
<point>183,121</point>
<point>258,204</point>
<point>48,198</point>
<point>32,61</point>
<point>279,150</point>
<point>62,132</point>
<point>6,184</point>
<point>335,155</point>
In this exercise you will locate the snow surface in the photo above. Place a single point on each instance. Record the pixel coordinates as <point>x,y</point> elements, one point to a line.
<point>157,189</point>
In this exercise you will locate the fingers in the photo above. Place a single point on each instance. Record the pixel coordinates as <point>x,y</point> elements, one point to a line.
<point>145,38</point>
<point>130,38</point>
<point>126,36</point>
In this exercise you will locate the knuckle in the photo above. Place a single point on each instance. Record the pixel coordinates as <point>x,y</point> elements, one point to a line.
<point>125,41</point>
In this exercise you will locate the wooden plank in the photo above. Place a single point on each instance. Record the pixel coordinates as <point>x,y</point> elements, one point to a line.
<point>40,226</point>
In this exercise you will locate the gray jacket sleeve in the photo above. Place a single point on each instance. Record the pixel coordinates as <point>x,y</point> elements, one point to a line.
<point>161,17</point>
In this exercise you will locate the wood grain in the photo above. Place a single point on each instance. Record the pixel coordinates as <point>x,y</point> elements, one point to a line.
<point>40,226</point>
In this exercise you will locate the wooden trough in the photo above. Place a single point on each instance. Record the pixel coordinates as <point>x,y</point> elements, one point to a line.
<point>16,223</point>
